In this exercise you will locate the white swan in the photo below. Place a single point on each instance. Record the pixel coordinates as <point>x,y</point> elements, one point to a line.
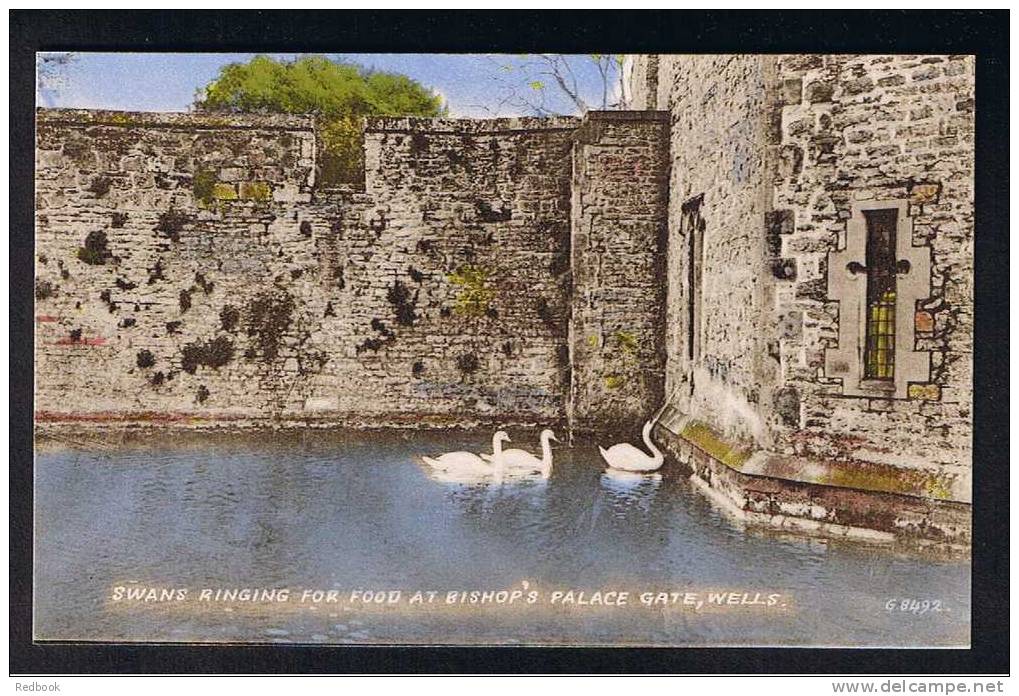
<point>518,460</point>
<point>626,457</point>
<point>464,466</point>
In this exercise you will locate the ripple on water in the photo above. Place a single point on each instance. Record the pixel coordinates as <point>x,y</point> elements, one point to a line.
<point>326,510</point>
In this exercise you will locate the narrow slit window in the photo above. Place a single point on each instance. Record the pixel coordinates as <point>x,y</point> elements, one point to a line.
<point>691,288</point>
<point>694,225</point>
<point>698,288</point>
<point>879,350</point>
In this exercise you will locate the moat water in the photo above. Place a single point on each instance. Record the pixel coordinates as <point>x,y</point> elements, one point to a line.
<point>317,517</point>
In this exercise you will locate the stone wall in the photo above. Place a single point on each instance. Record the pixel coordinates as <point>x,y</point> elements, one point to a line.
<point>772,160</point>
<point>871,128</point>
<point>718,197</point>
<point>188,269</point>
<point>149,227</point>
<point>619,211</point>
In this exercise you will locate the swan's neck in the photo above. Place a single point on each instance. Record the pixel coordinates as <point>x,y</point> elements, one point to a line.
<point>656,454</point>
<point>498,461</point>
<point>546,456</point>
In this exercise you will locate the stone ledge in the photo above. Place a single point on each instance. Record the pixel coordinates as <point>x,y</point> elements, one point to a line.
<point>856,474</point>
<point>467,126</point>
<point>629,115</point>
<point>174,120</point>
<point>736,478</point>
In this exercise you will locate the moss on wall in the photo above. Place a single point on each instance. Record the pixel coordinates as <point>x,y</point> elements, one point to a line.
<point>224,192</point>
<point>44,289</point>
<point>876,477</point>
<point>203,184</point>
<point>145,358</point>
<point>399,296</point>
<point>705,439</point>
<point>258,191</point>
<point>475,295</point>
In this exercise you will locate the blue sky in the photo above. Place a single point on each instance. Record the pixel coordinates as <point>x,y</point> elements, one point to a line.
<point>473,85</point>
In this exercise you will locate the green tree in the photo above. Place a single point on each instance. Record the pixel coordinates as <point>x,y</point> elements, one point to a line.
<point>341,94</point>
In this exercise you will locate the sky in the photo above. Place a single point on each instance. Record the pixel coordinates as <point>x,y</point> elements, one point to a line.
<point>472,85</point>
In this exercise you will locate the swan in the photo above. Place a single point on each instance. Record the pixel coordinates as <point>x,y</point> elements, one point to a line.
<point>517,460</point>
<point>626,457</point>
<point>468,464</point>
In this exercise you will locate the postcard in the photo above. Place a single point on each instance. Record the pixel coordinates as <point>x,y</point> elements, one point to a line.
<point>504,349</point>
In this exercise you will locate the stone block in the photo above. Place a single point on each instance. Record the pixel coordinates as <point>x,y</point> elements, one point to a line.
<point>791,162</point>
<point>819,92</point>
<point>924,322</point>
<point>232,174</point>
<point>224,192</point>
<point>791,91</point>
<point>920,194</point>
<point>784,269</point>
<point>925,392</point>
<point>787,405</point>
<point>857,86</point>
<point>255,190</point>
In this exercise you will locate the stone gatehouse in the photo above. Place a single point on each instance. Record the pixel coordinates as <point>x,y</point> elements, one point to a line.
<point>778,247</point>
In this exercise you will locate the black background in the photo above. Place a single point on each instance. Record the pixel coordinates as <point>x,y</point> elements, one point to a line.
<point>983,33</point>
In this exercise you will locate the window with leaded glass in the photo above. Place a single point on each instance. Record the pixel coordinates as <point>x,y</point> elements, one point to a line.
<point>879,351</point>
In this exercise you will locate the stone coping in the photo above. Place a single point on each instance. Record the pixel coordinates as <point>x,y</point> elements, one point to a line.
<point>409,124</point>
<point>825,510</point>
<point>629,115</point>
<point>373,124</point>
<point>750,460</point>
<point>175,120</point>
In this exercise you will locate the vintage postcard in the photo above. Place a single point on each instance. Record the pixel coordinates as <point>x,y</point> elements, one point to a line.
<point>504,349</point>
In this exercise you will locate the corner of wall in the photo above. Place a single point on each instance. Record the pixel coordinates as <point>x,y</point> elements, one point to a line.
<point>618,236</point>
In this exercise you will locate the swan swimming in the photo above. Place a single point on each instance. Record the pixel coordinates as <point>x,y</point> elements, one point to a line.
<point>517,460</point>
<point>626,457</point>
<point>465,466</point>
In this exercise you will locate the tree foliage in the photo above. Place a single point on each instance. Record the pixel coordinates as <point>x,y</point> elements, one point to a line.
<point>341,94</point>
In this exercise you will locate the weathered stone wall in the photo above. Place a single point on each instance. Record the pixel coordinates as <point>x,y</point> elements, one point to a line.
<point>459,279</point>
<point>187,268</point>
<point>772,156</point>
<point>148,228</point>
<point>640,76</point>
<point>619,213</point>
<point>867,128</point>
<point>718,197</point>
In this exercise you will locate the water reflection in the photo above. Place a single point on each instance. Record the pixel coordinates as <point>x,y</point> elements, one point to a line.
<point>631,487</point>
<point>346,511</point>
